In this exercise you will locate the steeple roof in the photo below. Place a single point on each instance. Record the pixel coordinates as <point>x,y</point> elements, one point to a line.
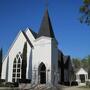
<point>46,27</point>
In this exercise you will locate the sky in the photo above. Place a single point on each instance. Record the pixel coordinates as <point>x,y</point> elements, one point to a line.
<point>72,36</point>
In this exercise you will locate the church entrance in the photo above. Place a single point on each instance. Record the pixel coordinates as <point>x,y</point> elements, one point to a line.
<point>82,78</point>
<point>42,73</point>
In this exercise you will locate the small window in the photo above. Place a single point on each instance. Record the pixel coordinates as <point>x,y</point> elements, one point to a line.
<point>18,75</point>
<point>14,65</point>
<point>18,70</point>
<point>14,75</point>
<point>18,65</point>
<point>14,70</point>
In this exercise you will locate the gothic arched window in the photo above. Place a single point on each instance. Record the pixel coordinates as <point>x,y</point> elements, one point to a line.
<point>17,68</point>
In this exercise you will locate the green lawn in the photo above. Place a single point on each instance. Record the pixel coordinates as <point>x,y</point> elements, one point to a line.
<point>84,87</point>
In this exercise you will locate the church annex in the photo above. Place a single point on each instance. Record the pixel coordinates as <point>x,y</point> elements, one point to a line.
<point>35,57</point>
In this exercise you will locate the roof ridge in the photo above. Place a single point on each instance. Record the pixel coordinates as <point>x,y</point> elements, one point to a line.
<point>34,33</point>
<point>27,38</point>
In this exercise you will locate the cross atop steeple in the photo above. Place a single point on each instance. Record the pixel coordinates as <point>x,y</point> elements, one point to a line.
<point>46,4</point>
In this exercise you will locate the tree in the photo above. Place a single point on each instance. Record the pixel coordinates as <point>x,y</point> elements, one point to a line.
<point>77,63</point>
<point>84,63</point>
<point>85,12</point>
<point>88,60</point>
<point>24,62</point>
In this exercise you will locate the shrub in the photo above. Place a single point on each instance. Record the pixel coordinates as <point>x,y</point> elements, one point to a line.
<point>2,80</point>
<point>88,84</point>
<point>16,84</point>
<point>1,85</point>
<point>67,83</point>
<point>9,84</point>
<point>74,83</point>
<point>24,81</point>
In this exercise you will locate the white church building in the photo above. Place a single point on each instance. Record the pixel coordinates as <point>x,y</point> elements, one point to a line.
<point>36,57</point>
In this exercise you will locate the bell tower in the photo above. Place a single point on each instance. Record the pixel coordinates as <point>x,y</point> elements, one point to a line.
<point>45,54</point>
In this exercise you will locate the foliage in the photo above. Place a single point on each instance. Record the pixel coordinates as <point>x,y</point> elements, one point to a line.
<point>76,62</point>
<point>74,83</point>
<point>8,84</point>
<point>88,84</point>
<point>84,63</point>
<point>85,12</point>
<point>88,65</point>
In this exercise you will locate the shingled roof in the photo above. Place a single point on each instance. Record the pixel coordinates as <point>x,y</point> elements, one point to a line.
<point>46,27</point>
<point>34,33</point>
<point>60,54</point>
<point>66,61</point>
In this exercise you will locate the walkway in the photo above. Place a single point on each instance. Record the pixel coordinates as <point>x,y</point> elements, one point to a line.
<point>75,88</point>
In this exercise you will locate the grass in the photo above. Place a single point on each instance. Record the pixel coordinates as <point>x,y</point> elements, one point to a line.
<point>85,87</point>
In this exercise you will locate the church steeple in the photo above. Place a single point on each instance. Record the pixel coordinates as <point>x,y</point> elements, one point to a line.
<point>46,27</point>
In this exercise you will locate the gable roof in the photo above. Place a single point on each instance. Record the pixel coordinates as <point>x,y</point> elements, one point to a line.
<point>14,42</point>
<point>66,59</point>
<point>60,54</point>
<point>33,33</point>
<point>46,27</point>
<point>81,71</point>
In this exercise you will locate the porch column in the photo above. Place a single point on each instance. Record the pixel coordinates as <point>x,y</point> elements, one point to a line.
<point>77,77</point>
<point>86,77</point>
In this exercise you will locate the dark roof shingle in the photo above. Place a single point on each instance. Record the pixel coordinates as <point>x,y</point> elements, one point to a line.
<point>46,27</point>
<point>34,33</point>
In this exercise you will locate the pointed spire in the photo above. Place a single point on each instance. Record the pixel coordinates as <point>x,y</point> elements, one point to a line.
<point>46,27</point>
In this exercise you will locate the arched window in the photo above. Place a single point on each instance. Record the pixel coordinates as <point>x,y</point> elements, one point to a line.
<point>17,68</point>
